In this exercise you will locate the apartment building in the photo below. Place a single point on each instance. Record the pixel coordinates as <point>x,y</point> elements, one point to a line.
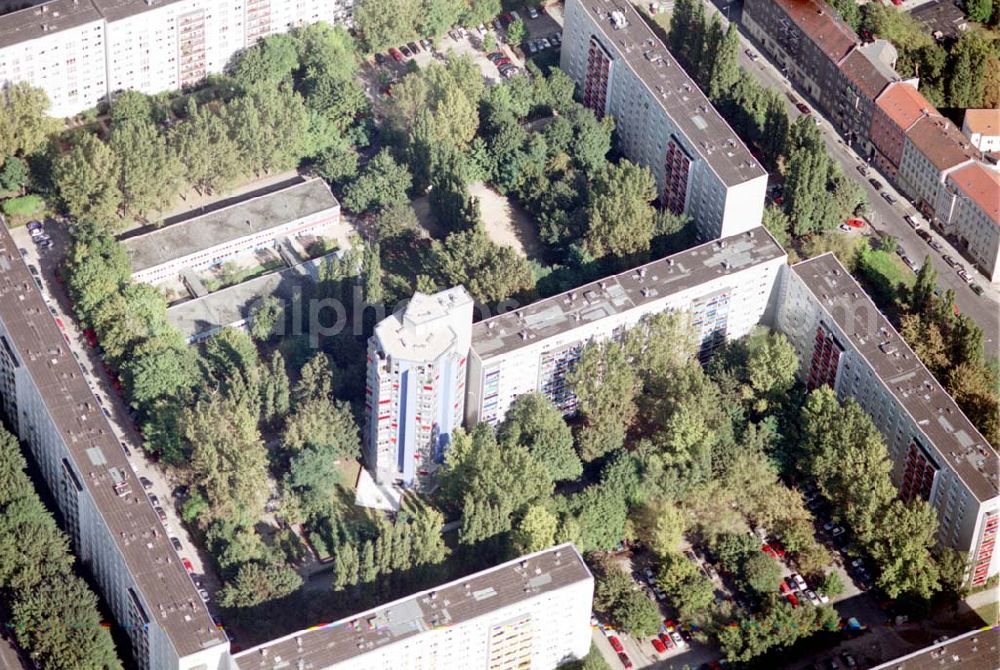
<point>662,119</point>
<point>532,612</point>
<point>896,111</point>
<point>114,530</point>
<point>933,148</point>
<point>232,228</point>
<point>982,127</point>
<point>969,209</point>
<point>415,395</point>
<point>864,74</point>
<point>726,286</point>
<point>843,341</point>
<point>83,52</point>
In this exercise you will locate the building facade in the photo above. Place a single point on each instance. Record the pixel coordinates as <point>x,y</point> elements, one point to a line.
<point>83,52</point>
<point>725,285</point>
<point>662,119</point>
<point>864,74</point>
<point>968,208</point>
<point>932,149</point>
<point>415,396</point>
<point>532,612</point>
<point>114,530</point>
<point>982,127</point>
<point>256,220</point>
<point>896,111</point>
<point>844,342</point>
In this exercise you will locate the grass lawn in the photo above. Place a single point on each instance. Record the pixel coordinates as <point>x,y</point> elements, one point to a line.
<point>885,276</point>
<point>231,278</point>
<point>990,614</point>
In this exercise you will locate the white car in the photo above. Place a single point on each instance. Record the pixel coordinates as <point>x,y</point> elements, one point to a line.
<point>800,582</point>
<point>546,43</point>
<point>823,598</point>
<point>482,30</point>
<point>811,595</point>
<point>532,13</point>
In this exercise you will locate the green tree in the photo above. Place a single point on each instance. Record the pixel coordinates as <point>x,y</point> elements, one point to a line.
<point>637,614</point>
<point>275,390</point>
<point>159,368</point>
<point>24,125</point>
<point>87,181</point>
<point>315,380</point>
<point>535,531</point>
<point>270,128</point>
<point>725,65</point>
<point>150,172</point>
<point>774,134</point>
<point>488,271</point>
<point>967,78</point>
<point>14,174</point>
<point>228,459</point>
<point>902,549</point>
<point>693,597</point>
<point>832,585</point>
<point>257,583</point>
<point>131,107</point>
<point>619,213</point>
<point>266,64</point>
<point>264,318</point>
<point>325,424</point>
<point>516,32</point>
<point>680,24</point>
<point>761,573</point>
<point>534,422</point>
<point>771,366</point>
<point>605,384</point>
<point>386,23</point>
<point>383,182</point>
<point>979,10</point>
<point>210,157</point>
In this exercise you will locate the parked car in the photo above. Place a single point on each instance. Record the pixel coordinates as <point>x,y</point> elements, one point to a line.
<point>403,49</point>
<point>863,169</point>
<point>876,184</point>
<point>626,661</point>
<point>187,565</point>
<point>413,47</point>
<point>494,56</point>
<point>792,599</point>
<point>910,221</point>
<point>751,55</point>
<point>889,197</point>
<point>46,243</point>
<point>204,595</point>
<point>176,543</point>
<point>396,54</point>
<point>849,661</point>
<point>837,532</point>
<point>427,44</point>
<point>855,223</point>
<point>811,595</point>
<point>659,646</point>
<point>799,581</point>
<point>146,484</point>
<point>532,13</point>
<point>616,644</point>
<point>154,500</point>
<point>964,276</point>
<point>34,226</point>
<point>380,59</point>
<point>161,514</point>
<point>803,107</point>
<point>665,639</point>
<point>976,288</point>
<point>949,260</point>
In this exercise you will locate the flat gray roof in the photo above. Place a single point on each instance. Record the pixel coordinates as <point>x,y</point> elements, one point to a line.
<point>622,292</point>
<point>233,304</point>
<point>950,434</point>
<point>975,650</point>
<point>241,216</point>
<point>98,458</point>
<point>447,605</point>
<point>44,19</point>
<point>689,108</point>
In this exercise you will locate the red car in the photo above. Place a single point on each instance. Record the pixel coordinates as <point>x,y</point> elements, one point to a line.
<point>59,323</point>
<point>616,644</point>
<point>667,642</point>
<point>669,624</point>
<point>626,661</point>
<point>793,599</point>
<point>766,548</point>
<point>784,588</point>
<point>659,646</point>
<point>779,551</point>
<point>187,565</point>
<point>855,223</point>
<point>396,54</point>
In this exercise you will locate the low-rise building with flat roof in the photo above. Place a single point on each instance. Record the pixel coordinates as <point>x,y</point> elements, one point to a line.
<point>662,119</point>
<point>115,532</point>
<point>213,235</point>
<point>844,342</point>
<point>233,307</point>
<point>725,285</point>
<point>532,612</point>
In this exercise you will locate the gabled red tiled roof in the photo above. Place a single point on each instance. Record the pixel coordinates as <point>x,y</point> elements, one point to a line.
<point>941,143</point>
<point>982,186</point>
<point>983,121</point>
<point>904,105</point>
<point>863,74</point>
<point>822,25</point>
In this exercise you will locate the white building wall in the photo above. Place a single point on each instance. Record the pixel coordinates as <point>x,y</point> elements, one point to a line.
<point>960,514</point>
<point>555,625</point>
<point>962,217</point>
<point>68,64</point>
<point>750,292</point>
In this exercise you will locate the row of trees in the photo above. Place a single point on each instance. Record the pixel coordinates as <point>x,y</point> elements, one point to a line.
<point>411,542</point>
<point>53,613</point>
<point>951,346</point>
<point>387,23</point>
<point>290,97</point>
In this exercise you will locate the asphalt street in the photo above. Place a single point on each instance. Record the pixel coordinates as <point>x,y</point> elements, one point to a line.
<point>885,218</point>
